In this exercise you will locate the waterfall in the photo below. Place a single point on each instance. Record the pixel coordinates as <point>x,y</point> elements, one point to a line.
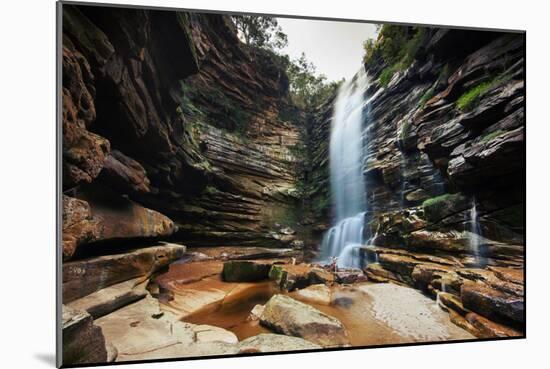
<point>346,174</point>
<point>475,230</point>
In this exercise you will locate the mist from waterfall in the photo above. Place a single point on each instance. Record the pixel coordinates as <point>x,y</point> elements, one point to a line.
<point>346,174</point>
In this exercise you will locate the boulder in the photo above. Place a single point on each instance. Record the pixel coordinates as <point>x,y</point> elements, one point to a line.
<point>288,316</point>
<point>82,277</point>
<point>317,293</point>
<point>289,277</point>
<point>268,342</point>
<point>83,341</point>
<point>256,312</point>
<point>245,270</point>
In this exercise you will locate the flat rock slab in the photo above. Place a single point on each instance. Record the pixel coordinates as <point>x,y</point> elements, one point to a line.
<point>268,342</point>
<point>111,298</point>
<point>205,295</point>
<point>184,273</point>
<point>286,315</point>
<point>208,333</point>
<point>82,277</point>
<point>244,253</point>
<point>411,314</point>
<point>141,331</point>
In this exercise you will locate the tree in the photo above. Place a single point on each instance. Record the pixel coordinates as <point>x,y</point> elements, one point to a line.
<point>307,89</point>
<point>260,31</point>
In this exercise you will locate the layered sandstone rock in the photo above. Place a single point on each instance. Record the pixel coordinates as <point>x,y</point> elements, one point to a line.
<point>82,277</point>
<point>84,342</point>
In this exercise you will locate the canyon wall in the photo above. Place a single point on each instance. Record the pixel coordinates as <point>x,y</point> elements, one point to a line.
<point>173,128</point>
<point>445,175</point>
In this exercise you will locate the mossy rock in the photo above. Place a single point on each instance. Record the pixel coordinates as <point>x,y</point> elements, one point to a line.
<point>291,277</point>
<point>437,208</point>
<point>245,271</point>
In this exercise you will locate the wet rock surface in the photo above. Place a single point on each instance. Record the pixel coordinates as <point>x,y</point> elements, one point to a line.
<point>496,293</point>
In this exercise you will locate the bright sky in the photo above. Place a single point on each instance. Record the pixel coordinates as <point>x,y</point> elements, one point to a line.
<point>336,48</point>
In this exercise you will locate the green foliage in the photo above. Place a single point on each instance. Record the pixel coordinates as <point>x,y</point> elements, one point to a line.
<point>491,135</point>
<point>404,133</point>
<point>467,100</point>
<point>427,96</point>
<point>397,46</point>
<point>369,48</point>
<point>187,106</point>
<point>307,89</point>
<point>263,32</point>
<point>285,216</point>
<point>321,205</point>
<point>386,75</point>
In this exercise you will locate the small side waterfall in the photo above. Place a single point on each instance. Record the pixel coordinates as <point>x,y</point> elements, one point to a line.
<point>475,230</point>
<point>346,176</point>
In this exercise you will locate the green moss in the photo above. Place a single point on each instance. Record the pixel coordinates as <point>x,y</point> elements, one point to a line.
<point>277,273</point>
<point>466,101</point>
<point>427,96</point>
<point>404,133</point>
<point>285,216</point>
<point>321,205</point>
<point>386,75</point>
<point>444,205</point>
<point>187,106</point>
<point>491,135</point>
<point>434,200</point>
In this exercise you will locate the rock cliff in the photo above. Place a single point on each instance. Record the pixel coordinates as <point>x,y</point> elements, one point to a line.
<point>178,121</point>
<point>445,173</point>
<point>174,131</point>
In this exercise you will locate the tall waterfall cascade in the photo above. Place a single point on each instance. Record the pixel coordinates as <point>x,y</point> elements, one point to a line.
<point>346,175</point>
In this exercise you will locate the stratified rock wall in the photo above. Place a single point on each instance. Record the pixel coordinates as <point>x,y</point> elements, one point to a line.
<point>423,142</point>
<point>171,111</point>
<point>445,176</point>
